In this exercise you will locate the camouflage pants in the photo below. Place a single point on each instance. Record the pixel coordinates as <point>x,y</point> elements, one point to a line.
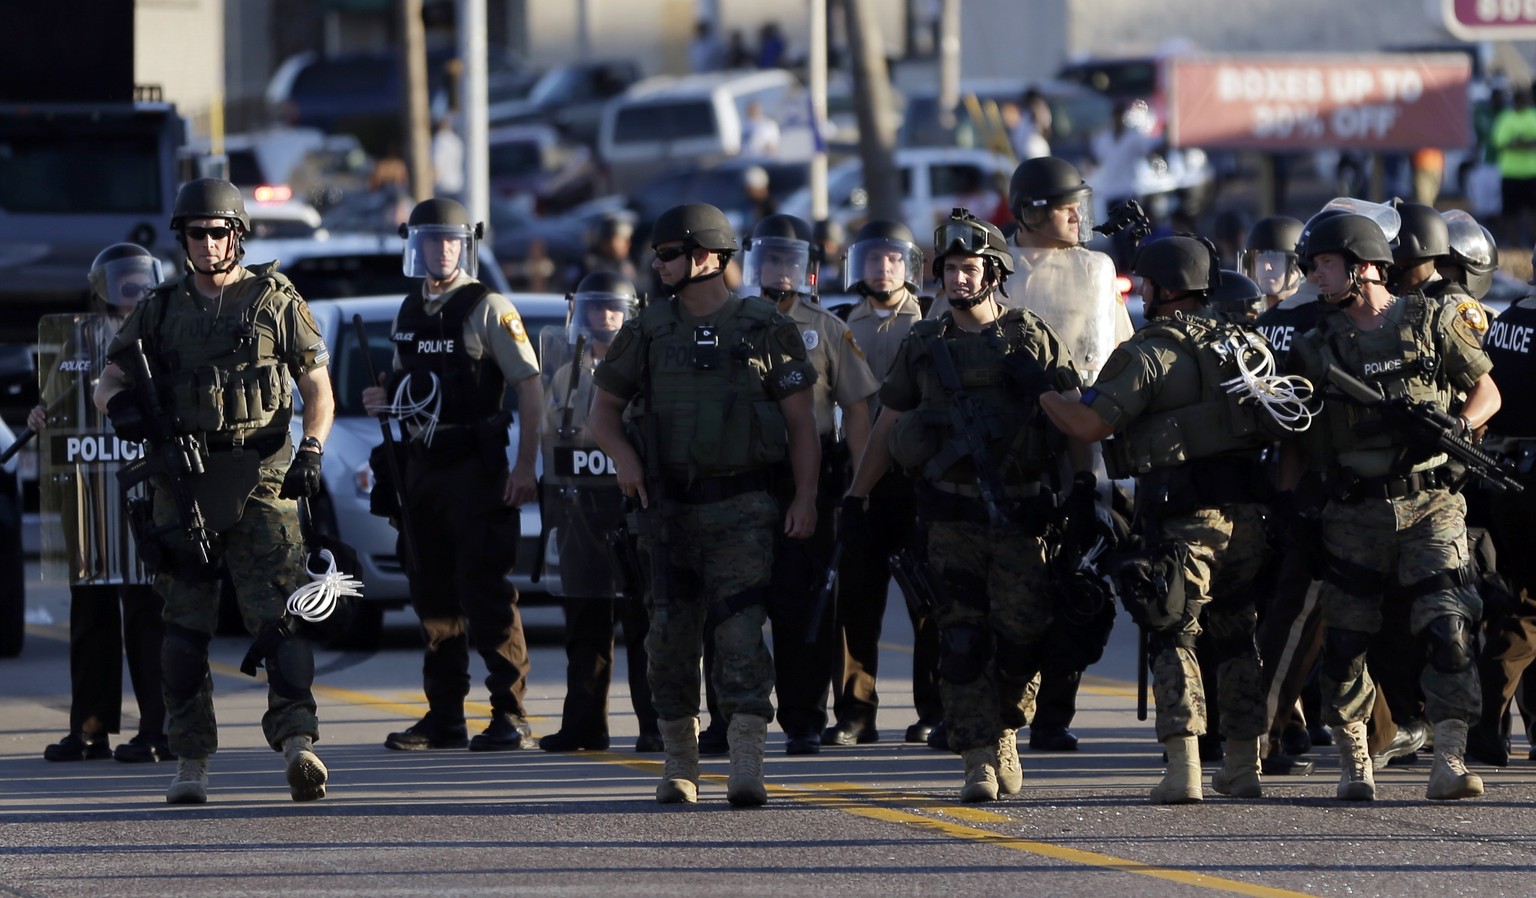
<point>1227,550</point>
<point>1401,542</point>
<point>265,559</point>
<point>721,561</point>
<point>997,608</point>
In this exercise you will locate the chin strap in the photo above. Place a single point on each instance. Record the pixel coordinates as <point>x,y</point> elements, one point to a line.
<point>863,289</point>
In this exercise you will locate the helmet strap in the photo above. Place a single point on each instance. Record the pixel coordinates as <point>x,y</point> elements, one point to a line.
<point>863,289</point>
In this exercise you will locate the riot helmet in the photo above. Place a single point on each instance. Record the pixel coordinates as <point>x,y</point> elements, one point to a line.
<point>965,234</point>
<point>1176,264</point>
<point>1237,296</point>
<point>1472,250</point>
<point>440,241</point>
<point>777,259</point>
<point>1359,239</point>
<point>883,256</point>
<point>1269,256</point>
<point>1043,183</point>
<point>603,301</point>
<point>123,273</point>
<point>696,226</point>
<point>215,200</point>
<point>1423,234</point>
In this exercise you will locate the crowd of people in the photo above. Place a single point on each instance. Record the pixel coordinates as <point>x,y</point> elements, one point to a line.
<point>1293,478</point>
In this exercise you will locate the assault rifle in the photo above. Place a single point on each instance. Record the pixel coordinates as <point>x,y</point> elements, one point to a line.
<point>1427,425</point>
<point>176,458</point>
<point>971,423</point>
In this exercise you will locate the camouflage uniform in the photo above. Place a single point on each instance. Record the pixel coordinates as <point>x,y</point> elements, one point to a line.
<point>261,318</point>
<point>998,602</point>
<point>716,456</point>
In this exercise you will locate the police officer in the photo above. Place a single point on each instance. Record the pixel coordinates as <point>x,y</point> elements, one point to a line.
<point>1422,242</point>
<point>884,267</point>
<point>226,344</point>
<point>582,501</point>
<point>1509,643</point>
<point>1161,398</point>
<point>985,494</point>
<point>1393,527</point>
<point>779,264</point>
<point>727,380</point>
<point>458,346</point>
<point>1473,255</point>
<point>608,250</point>
<point>113,609</point>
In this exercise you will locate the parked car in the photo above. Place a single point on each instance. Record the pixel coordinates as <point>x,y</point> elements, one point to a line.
<point>534,160</point>
<point>341,510</point>
<point>719,185</point>
<point>569,97</point>
<point>330,266</point>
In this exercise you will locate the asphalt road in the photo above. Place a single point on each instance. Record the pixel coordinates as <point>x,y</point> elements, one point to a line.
<point>876,819</point>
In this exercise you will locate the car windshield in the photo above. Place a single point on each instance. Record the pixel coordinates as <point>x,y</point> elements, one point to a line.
<point>663,122</point>
<point>112,169</point>
<point>334,277</point>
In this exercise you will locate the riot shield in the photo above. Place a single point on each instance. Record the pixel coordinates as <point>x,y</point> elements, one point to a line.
<point>1073,291</point>
<point>578,491</point>
<point>85,536</point>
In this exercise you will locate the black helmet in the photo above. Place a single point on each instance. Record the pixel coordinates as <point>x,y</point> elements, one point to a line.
<point>1473,250</point>
<point>696,224</point>
<point>1350,233</point>
<point>1237,295</point>
<point>1176,264</point>
<point>1279,233</point>
<point>1303,252</point>
<point>1423,234</point>
<point>1044,180</point>
<point>881,239</point>
<point>440,218</point>
<point>1269,254</point>
<point>209,198</point>
<point>784,243</point>
<point>830,230</point>
<point>600,290</point>
<point>965,233</point>
<point>110,273</point>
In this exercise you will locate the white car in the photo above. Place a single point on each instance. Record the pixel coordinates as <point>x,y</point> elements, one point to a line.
<point>342,508</point>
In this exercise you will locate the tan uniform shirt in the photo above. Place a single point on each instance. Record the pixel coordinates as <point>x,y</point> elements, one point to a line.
<point>493,326</point>
<point>842,374</point>
<point>880,336</point>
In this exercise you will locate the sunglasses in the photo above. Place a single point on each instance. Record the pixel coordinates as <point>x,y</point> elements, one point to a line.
<point>132,291</point>
<point>669,253</point>
<point>217,233</point>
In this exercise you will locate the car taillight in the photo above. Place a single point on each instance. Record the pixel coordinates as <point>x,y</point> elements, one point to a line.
<point>1124,286</point>
<point>273,193</point>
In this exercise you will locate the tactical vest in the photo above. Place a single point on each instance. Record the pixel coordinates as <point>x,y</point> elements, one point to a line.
<point>1280,326</point>
<point>471,389</point>
<point>719,421</point>
<point>226,377</point>
<point>1511,344</point>
<point>1020,442</point>
<point>1210,423</point>
<point>1407,366</point>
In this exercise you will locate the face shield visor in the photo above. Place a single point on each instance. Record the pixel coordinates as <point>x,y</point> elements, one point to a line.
<point>439,251</point>
<point>598,316</point>
<point>128,280</point>
<point>776,266</point>
<point>1274,270</point>
<point>883,265</point>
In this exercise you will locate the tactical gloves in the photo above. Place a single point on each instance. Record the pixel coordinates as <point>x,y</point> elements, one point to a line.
<point>127,418</point>
<point>303,478</point>
<point>1026,375</point>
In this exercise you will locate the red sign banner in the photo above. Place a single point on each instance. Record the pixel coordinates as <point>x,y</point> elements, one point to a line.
<point>1491,20</point>
<point>1372,102</point>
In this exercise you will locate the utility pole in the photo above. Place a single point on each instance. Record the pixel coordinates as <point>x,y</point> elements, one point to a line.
<point>818,86</point>
<point>872,99</point>
<point>949,62</point>
<point>417,123</point>
<point>472,108</point>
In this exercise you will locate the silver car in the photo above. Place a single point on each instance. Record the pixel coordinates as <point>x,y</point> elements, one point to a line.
<point>342,509</point>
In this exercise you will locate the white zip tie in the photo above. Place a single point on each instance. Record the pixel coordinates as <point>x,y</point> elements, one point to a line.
<point>316,600</point>
<point>423,413</point>
<point>1283,397</point>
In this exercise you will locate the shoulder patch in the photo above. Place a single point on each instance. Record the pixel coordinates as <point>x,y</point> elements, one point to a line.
<point>514,326</point>
<point>1471,311</point>
<point>853,344</point>
<point>306,317</point>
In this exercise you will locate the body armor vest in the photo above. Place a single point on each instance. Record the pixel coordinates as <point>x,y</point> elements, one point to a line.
<point>1209,422</point>
<point>1281,325</point>
<point>223,374</point>
<point>1020,442</point>
<point>1511,344</point>
<point>471,389</point>
<point>717,417</point>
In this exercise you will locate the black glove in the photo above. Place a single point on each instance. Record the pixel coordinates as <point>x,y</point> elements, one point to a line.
<point>127,418</point>
<point>1084,522</point>
<point>303,477</point>
<point>1026,375</point>
<point>853,523</point>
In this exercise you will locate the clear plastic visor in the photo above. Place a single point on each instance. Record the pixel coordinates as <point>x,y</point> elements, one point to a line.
<point>1079,202</point>
<point>1273,270</point>
<point>776,263</point>
<point>883,265</point>
<point>128,280</point>
<point>438,251</point>
<point>598,316</point>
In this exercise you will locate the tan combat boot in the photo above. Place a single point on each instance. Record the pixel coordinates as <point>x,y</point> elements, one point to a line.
<point>191,783</point>
<point>1449,778</point>
<point>1181,781</point>
<point>1010,773</point>
<point>747,735</point>
<point>1239,775</point>
<point>1357,780</point>
<point>306,774</point>
<point>980,774</point>
<point>680,774</point>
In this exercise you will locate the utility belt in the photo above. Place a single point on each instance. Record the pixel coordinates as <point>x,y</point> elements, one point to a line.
<point>1351,489</point>
<point>455,442</point>
<point>1030,506</point>
<point>1179,490</point>
<point>263,445</point>
<point>705,490</point>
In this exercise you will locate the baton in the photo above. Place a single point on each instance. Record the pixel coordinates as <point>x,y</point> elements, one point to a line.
<point>408,547</point>
<point>22,439</point>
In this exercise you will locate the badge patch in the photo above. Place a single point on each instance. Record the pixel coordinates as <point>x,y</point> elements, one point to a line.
<point>514,326</point>
<point>812,339</point>
<point>853,344</point>
<point>1471,311</point>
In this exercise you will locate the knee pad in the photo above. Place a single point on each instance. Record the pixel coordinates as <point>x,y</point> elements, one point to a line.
<point>962,653</point>
<point>1344,652</point>
<point>1018,662</point>
<point>183,661</point>
<point>1450,643</point>
<point>291,668</point>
